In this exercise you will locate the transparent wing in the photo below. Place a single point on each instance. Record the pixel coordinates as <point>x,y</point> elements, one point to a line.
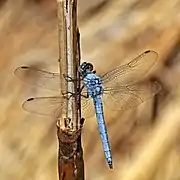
<point>132,71</point>
<point>130,96</point>
<point>49,106</point>
<point>44,105</point>
<point>38,77</point>
<point>87,108</point>
<point>87,105</point>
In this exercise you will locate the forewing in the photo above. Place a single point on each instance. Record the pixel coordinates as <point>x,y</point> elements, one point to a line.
<point>130,96</point>
<point>44,105</point>
<point>38,77</point>
<point>132,71</point>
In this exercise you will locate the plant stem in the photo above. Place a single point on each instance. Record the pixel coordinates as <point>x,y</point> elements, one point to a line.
<point>70,160</point>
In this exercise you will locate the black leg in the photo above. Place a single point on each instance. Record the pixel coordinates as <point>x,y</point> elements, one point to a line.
<point>68,93</point>
<point>85,96</point>
<point>80,91</point>
<point>70,79</point>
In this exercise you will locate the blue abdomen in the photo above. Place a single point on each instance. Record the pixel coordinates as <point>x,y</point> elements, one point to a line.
<point>102,129</point>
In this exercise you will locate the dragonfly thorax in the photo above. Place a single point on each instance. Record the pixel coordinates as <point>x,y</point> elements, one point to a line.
<point>93,84</point>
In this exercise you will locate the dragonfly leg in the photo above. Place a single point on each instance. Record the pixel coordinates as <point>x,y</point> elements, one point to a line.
<point>80,90</point>
<point>70,79</point>
<point>85,96</point>
<point>68,94</point>
<point>73,94</point>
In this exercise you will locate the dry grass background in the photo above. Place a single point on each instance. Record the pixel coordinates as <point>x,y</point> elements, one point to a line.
<point>144,144</point>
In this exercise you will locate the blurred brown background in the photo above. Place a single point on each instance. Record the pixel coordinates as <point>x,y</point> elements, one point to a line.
<point>112,32</point>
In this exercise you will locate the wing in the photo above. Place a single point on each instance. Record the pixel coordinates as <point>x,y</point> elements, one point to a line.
<point>49,106</point>
<point>87,105</point>
<point>130,96</point>
<point>132,71</point>
<point>44,105</point>
<point>38,77</point>
<point>87,108</point>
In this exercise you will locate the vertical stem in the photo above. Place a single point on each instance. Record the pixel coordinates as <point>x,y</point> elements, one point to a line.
<point>70,160</point>
<point>78,58</point>
<point>76,55</point>
<point>71,113</point>
<point>67,25</point>
<point>62,51</point>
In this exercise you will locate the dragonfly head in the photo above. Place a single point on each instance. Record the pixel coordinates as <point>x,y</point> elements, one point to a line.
<point>85,68</point>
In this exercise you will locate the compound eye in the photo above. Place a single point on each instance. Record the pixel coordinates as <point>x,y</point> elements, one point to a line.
<point>90,66</point>
<point>83,65</point>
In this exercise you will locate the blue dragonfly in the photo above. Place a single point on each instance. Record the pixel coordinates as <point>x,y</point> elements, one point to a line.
<point>119,89</point>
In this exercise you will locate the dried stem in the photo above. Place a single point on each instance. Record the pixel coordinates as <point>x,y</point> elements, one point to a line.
<point>70,162</point>
<point>62,50</point>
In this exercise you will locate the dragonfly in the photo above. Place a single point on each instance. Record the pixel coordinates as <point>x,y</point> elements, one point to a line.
<point>119,89</point>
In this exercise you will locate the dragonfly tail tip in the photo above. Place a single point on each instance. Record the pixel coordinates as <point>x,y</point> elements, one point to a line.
<point>110,165</point>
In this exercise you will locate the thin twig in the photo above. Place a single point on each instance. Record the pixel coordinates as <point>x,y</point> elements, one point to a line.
<point>70,161</point>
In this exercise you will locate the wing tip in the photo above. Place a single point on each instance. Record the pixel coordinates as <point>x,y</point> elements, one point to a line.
<point>30,105</point>
<point>148,51</point>
<point>19,70</point>
<point>30,99</point>
<point>24,67</point>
